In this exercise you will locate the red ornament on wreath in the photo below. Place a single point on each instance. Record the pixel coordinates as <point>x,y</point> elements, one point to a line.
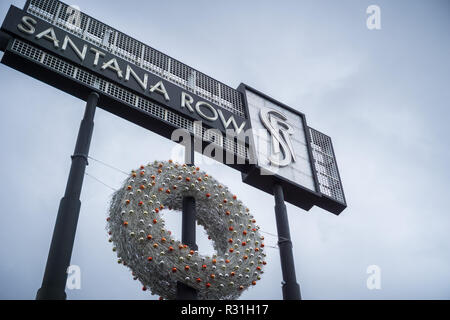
<point>149,248</point>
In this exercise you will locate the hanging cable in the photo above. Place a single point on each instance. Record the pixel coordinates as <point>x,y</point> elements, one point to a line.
<point>125,173</point>
<point>108,165</point>
<point>274,235</point>
<point>99,181</point>
<point>270,234</point>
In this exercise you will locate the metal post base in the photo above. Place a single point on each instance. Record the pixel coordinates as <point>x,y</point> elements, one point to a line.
<point>51,293</point>
<point>291,291</point>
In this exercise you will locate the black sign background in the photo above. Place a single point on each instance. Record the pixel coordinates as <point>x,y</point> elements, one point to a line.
<point>14,18</point>
<point>294,193</point>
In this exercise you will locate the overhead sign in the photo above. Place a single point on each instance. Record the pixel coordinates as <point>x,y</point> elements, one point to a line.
<point>163,93</point>
<point>271,142</point>
<point>290,153</point>
<point>134,78</point>
<point>280,140</point>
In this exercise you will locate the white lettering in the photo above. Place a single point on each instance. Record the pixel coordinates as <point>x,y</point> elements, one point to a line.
<point>374,279</point>
<point>226,123</point>
<point>159,87</point>
<point>142,83</point>
<point>186,101</point>
<point>98,54</point>
<point>27,25</point>
<point>74,18</point>
<point>193,310</point>
<point>204,116</point>
<point>114,66</point>
<point>80,54</point>
<point>50,35</point>
<point>374,20</point>
<point>73,277</point>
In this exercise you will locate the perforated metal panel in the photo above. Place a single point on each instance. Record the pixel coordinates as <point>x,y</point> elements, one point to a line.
<point>326,166</point>
<point>135,52</point>
<point>125,96</point>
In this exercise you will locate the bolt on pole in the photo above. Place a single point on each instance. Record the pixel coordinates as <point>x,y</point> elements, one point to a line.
<point>188,236</point>
<point>291,289</point>
<point>55,276</point>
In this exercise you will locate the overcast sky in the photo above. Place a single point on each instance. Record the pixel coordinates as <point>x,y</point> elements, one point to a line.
<point>382,95</point>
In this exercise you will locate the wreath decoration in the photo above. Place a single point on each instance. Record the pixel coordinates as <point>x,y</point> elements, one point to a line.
<point>142,243</point>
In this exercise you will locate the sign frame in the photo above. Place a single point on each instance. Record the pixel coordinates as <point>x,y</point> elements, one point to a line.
<point>167,116</point>
<point>43,61</point>
<point>294,193</point>
<point>132,112</point>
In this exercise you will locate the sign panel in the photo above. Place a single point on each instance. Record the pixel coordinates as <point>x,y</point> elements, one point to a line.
<point>82,53</point>
<point>78,54</point>
<point>280,140</point>
<point>290,153</point>
<point>164,94</point>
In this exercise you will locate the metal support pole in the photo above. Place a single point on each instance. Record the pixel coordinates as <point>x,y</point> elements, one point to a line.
<point>291,289</point>
<point>185,292</point>
<point>55,276</point>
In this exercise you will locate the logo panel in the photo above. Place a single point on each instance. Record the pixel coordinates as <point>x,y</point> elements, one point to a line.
<point>280,141</point>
